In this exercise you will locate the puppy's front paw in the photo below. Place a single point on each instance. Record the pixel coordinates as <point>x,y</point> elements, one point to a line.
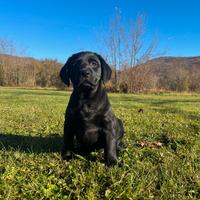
<point>67,155</point>
<point>111,161</point>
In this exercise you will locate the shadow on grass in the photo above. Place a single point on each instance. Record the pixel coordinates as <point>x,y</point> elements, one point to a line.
<point>28,144</point>
<point>170,110</point>
<point>172,101</point>
<point>152,101</point>
<point>38,144</point>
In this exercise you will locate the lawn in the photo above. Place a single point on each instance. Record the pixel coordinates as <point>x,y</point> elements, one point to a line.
<point>161,161</point>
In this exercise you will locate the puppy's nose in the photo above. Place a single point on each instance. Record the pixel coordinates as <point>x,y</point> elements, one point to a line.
<point>85,72</point>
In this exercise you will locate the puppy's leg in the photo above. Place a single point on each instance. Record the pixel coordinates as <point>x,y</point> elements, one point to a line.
<point>68,141</point>
<point>110,149</point>
<point>119,147</point>
<point>120,133</point>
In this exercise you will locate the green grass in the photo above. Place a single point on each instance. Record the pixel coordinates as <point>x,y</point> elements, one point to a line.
<point>31,124</point>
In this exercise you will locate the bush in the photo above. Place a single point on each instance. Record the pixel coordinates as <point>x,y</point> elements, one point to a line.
<point>110,87</point>
<point>123,87</point>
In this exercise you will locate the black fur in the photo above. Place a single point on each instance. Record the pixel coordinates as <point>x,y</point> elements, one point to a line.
<point>89,120</point>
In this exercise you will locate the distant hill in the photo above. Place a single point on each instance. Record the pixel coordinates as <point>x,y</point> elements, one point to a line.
<point>173,59</point>
<point>29,72</point>
<point>164,64</point>
<point>18,57</point>
<point>181,61</point>
<point>163,73</point>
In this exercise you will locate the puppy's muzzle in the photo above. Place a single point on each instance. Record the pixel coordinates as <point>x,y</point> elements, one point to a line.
<point>86,73</point>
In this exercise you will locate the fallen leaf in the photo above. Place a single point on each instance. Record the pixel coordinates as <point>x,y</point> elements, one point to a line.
<point>153,145</point>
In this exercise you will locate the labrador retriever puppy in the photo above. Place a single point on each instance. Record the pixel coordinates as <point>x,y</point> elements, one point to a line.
<point>89,119</point>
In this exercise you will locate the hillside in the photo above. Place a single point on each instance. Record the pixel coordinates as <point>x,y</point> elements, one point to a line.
<point>168,59</point>
<point>186,62</point>
<point>29,72</point>
<point>164,65</point>
<point>163,73</point>
<point>177,73</point>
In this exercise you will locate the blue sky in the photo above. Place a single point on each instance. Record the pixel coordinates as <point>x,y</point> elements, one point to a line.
<point>56,29</point>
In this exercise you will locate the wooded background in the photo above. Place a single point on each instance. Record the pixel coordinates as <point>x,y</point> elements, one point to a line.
<point>137,65</point>
<point>165,73</point>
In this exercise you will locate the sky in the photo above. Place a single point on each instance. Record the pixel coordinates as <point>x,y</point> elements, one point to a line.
<point>57,29</point>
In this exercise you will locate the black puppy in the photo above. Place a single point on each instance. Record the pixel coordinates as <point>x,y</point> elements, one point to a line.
<point>89,118</point>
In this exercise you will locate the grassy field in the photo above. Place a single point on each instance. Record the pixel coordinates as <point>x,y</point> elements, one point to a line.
<point>162,159</point>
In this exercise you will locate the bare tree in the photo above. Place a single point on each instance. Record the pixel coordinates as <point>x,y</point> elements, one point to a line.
<point>7,47</point>
<point>135,44</point>
<point>124,46</point>
<point>113,41</point>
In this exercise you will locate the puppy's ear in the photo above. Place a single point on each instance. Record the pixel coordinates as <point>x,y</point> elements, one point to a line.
<point>65,72</point>
<point>106,70</point>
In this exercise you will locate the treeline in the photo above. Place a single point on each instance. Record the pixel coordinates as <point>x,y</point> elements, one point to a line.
<point>29,72</point>
<point>163,74</point>
<point>130,54</point>
<point>166,74</point>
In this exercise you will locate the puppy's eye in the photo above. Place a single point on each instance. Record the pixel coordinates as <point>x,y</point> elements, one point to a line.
<point>93,63</point>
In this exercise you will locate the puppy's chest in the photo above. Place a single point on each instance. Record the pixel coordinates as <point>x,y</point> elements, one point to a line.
<point>88,112</point>
<point>90,118</point>
<point>89,125</point>
<point>88,115</point>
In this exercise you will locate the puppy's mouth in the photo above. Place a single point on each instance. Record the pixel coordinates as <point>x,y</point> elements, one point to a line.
<point>86,84</point>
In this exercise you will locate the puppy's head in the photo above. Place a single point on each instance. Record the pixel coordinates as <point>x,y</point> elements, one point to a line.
<point>85,70</point>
